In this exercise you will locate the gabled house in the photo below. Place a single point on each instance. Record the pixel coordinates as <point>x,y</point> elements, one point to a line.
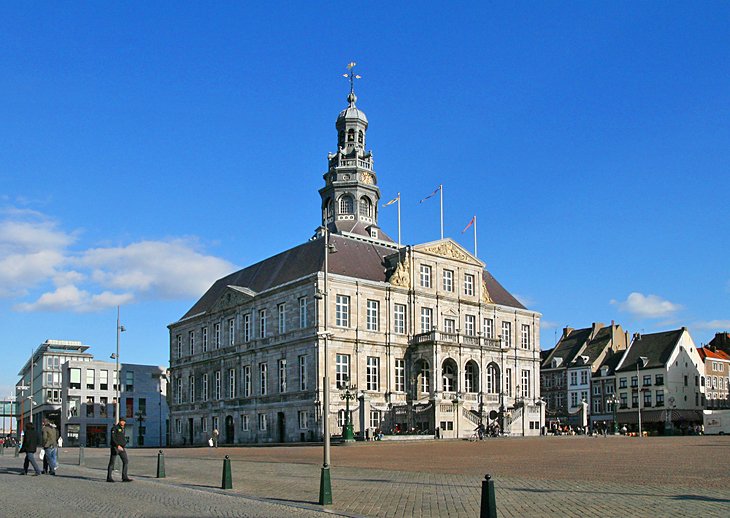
<point>567,371</point>
<point>659,382</point>
<point>716,377</point>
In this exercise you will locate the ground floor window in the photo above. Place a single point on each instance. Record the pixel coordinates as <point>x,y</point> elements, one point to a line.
<point>374,419</point>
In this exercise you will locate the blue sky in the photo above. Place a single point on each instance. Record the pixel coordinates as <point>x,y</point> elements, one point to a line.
<point>147,150</point>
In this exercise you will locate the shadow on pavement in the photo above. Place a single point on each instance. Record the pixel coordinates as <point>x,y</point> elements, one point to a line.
<point>701,498</point>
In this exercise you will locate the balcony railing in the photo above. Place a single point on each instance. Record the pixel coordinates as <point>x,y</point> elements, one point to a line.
<point>456,338</point>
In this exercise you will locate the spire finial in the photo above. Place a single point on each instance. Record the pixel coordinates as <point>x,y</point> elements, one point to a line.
<point>352,98</point>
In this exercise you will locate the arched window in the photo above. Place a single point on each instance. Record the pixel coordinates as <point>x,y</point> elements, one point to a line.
<point>448,375</point>
<point>492,379</point>
<point>366,207</point>
<point>327,208</point>
<point>346,205</point>
<point>351,135</point>
<point>425,375</point>
<point>360,137</point>
<point>471,380</point>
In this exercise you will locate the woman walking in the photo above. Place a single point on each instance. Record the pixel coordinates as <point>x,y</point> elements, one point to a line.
<point>30,445</point>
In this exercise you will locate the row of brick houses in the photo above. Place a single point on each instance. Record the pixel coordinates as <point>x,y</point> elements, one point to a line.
<point>598,377</point>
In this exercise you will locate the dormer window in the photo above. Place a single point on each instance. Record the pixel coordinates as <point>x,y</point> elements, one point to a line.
<point>351,135</point>
<point>374,233</point>
<point>346,206</point>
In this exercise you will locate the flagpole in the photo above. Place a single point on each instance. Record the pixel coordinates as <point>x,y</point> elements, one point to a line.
<point>475,237</point>
<point>398,220</point>
<point>441,192</point>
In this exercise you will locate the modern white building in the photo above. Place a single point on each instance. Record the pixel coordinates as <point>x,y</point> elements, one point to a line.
<point>78,394</point>
<point>89,394</point>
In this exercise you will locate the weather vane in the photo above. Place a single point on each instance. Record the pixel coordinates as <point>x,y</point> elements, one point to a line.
<point>351,75</point>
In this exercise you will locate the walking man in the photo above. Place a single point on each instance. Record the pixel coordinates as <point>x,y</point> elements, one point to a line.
<point>50,442</point>
<point>118,445</point>
<point>29,447</point>
<point>215,437</point>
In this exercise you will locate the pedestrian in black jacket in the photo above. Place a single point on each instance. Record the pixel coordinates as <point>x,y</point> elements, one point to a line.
<point>30,445</point>
<point>118,445</point>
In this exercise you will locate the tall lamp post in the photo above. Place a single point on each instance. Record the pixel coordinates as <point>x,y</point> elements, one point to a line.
<point>643,361</point>
<point>614,404</point>
<point>349,393</point>
<point>115,356</point>
<point>325,484</point>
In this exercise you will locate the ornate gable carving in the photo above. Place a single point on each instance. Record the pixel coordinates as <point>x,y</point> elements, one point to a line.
<point>450,250</point>
<point>401,275</point>
<point>232,297</point>
<point>486,297</point>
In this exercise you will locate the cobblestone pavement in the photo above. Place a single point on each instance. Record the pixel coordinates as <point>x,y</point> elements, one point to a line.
<point>561,476</point>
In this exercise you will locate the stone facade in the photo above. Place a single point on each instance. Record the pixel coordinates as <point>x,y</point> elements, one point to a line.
<point>431,341</point>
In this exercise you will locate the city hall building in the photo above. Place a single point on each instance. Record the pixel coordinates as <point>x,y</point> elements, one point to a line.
<point>425,338</point>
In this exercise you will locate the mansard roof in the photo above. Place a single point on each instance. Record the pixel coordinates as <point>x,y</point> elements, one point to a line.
<point>656,347</point>
<point>568,347</point>
<point>360,259</point>
<point>498,293</point>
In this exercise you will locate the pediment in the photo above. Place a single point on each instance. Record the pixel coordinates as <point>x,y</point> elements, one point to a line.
<point>449,249</point>
<point>232,297</point>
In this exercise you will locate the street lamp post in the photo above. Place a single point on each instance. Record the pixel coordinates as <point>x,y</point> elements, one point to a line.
<point>349,393</point>
<point>325,484</point>
<point>614,403</point>
<point>643,360</point>
<point>115,356</point>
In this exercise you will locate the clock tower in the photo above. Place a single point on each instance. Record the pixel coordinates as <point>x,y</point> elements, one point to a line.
<point>350,196</point>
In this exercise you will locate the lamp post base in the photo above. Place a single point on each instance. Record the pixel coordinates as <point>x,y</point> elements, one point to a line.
<point>348,434</point>
<point>325,487</point>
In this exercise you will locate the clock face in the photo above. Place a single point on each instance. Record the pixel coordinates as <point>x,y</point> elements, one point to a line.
<point>367,178</point>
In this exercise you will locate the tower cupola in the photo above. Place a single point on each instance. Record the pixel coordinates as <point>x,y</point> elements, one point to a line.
<point>350,196</point>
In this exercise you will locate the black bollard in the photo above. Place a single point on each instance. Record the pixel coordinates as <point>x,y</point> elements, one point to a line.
<point>227,483</point>
<point>81,456</point>
<point>160,465</point>
<point>489,503</point>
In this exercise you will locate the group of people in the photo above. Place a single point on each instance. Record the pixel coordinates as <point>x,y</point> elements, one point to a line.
<point>50,441</point>
<point>483,431</point>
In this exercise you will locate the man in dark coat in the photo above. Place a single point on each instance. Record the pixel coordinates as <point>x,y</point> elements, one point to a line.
<point>30,445</point>
<point>118,445</point>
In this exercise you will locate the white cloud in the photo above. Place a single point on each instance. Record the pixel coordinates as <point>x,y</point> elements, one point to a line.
<point>32,249</point>
<point>34,252</point>
<point>647,306</point>
<point>71,298</point>
<point>713,325</point>
<point>155,269</point>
